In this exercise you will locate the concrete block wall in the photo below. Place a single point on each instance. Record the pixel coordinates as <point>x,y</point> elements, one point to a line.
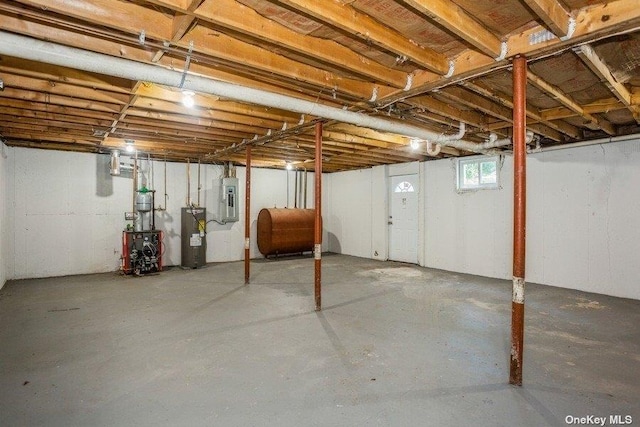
<point>66,213</point>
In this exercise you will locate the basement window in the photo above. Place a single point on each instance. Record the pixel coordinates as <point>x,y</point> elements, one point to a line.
<point>478,173</point>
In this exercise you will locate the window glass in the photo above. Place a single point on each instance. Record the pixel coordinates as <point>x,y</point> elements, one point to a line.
<point>478,173</point>
<point>404,187</point>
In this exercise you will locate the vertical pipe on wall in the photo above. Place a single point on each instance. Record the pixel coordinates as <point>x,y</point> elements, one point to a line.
<point>295,191</point>
<point>199,183</point>
<point>135,182</point>
<point>165,182</point>
<point>305,188</point>
<point>317,248</point>
<point>188,183</point>
<point>519,217</point>
<point>247,217</point>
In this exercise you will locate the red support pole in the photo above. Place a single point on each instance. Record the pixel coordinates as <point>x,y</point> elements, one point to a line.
<point>317,249</point>
<point>519,217</point>
<point>247,217</point>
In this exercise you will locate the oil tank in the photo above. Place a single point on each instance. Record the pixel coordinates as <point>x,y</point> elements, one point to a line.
<point>285,231</point>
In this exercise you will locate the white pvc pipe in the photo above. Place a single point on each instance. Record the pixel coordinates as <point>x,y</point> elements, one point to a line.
<point>52,53</point>
<point>586,143</point>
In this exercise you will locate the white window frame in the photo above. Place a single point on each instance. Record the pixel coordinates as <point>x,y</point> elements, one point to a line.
<point>461,162</point>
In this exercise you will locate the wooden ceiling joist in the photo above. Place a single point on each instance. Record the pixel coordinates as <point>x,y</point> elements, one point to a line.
<point>370,31</point>
<point>599,68</point>
<point>455,19</point>
<point>567,101</point>
<point>331,53</point>
<point>555,16</point>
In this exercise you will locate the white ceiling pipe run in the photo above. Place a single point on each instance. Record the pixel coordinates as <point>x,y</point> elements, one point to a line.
<point>606,140</point>
<point>65,56</point>
<point>487,147</point>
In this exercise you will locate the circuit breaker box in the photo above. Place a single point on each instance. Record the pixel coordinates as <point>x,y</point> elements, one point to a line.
<point>229,209</point>
<point>193,238</point>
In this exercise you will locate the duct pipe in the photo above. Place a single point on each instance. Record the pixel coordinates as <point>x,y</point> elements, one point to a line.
<point>519,217</point>
<point>114,164</point>
<point>247,217</point>
<point>52,53</point>
<point>317,247</point>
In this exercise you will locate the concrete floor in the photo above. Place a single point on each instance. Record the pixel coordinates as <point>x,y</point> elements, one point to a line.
<point>395,345</point>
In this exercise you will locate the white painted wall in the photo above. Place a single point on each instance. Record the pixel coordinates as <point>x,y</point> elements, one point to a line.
<point>359,211</point>
<point>5,202</point>
<point>582,222</point>
<point>69,212</point>
<point>468,232</point>
<point>582,215</point>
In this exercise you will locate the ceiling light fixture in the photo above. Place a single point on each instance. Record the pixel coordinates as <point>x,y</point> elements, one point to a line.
<point>188,99</point>
<point>415,143</point>
<point>129,148</point>
<point>289,166</point>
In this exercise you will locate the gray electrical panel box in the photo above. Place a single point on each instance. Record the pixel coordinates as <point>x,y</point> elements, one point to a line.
<point>193,237</point>
<point>229,209</point>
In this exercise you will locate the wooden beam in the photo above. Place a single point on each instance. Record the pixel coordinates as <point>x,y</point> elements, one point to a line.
<point>472,100</point>
<point>369,31</point>
<point>568,102</point>
<point>532,112</point>
<point>455,19</point>
<point>469,117</point>
<point>553,14</point>
<point>592,23</point>
<point>232,15</point>
<point>124,16</point>
<point>600,69</point>
<point>596,107</point>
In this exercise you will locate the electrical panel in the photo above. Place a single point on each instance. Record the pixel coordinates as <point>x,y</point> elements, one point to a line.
<point>193,237</point>
<point>229,209</point>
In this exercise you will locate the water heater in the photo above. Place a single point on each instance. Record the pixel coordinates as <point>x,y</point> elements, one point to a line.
<point>194,239</point>
<point>229,209</point>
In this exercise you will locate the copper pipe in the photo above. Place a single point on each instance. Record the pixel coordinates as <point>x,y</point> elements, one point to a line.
<point>519,217</point>
<point>247,217</point>
<point>317,250</point>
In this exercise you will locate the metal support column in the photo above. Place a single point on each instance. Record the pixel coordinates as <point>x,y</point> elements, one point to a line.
<point>519,216</point>
<point>317,249</point>
<point>247,218</point>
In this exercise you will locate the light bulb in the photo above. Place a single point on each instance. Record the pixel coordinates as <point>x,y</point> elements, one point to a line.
<point>188,99</point>
<point>415,143</point>
<point>289,166</point>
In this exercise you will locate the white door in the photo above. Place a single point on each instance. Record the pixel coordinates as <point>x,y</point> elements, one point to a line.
<point>403,219</point>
